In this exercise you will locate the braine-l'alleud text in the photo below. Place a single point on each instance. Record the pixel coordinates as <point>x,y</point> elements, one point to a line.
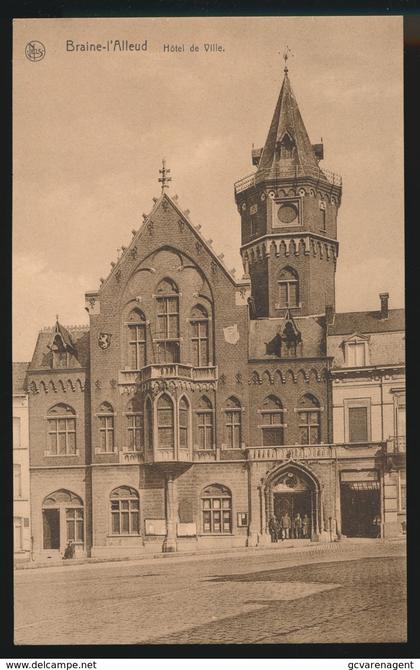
<point>106,45</point>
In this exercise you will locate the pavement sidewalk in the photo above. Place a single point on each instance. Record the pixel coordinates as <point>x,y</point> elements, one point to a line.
<point>288,547</point>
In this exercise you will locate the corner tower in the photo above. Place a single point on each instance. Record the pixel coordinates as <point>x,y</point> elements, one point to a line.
<point>288,211</point>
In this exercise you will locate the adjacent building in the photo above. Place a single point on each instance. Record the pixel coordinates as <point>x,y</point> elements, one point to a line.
<point>21,495</point>
<point>195,405</point>
<point>368,395</point>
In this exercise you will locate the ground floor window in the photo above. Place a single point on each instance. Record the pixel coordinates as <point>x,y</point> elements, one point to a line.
<point>74,522</point>
<point>125,511</point>
<point>216,501</point>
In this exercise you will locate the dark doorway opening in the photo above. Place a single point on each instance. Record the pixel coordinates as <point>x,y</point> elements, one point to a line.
<point>294,503</point>
<point>360,509</point>
<point>51,524</point>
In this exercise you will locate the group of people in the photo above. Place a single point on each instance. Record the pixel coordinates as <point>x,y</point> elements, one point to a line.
<point>286,528</point>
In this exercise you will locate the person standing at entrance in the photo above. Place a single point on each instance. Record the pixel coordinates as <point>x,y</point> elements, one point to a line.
<point>297,526</point>
<point>305,526</point>
<point>285,526</point>
<point>273,527</point>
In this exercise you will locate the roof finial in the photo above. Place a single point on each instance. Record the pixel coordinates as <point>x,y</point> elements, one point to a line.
<point>286,53</point>
<point>164,179</point>
<point>56,318</point>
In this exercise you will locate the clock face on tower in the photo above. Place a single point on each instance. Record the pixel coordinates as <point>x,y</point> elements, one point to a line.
<point>287,213</point>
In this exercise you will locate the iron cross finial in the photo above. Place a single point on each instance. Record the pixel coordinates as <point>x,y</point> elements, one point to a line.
<point>164,179</point>
<point>286,53</point>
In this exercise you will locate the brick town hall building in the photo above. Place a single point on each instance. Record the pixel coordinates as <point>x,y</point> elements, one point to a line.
<point>195,406</point>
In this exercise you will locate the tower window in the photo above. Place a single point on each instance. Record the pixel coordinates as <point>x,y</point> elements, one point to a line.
<point>272,422</point>
<point>309,420</point>
<point>288,284</point>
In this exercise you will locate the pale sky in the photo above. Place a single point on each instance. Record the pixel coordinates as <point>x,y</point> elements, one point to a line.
<point>90,130</point>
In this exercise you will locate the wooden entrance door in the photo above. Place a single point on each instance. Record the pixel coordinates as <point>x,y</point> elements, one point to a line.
<point>51,526</point>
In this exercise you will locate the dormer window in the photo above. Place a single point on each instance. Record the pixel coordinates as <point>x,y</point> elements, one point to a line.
<point>286,147</point>
<point>356,351</point>
<point>60,355</point>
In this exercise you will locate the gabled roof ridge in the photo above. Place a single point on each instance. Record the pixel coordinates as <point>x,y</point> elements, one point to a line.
<point>184,214</point>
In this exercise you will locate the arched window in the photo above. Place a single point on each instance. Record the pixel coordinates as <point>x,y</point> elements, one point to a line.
<point>184,419</point>
<point>61,421</point>
<point>233,423</point>
<point>134,416</point>
<point>309,420</point>
<point>272,424</point>
<point>106,428</point>
<point>288,283</point>
<point>125,511</point>
<point>205,430</point>
<point>165,422</point>
<point>149,425</point>
<point>136,340</point>
<point>167,331</point>
<point>216,506</point>
<point>199,336</point>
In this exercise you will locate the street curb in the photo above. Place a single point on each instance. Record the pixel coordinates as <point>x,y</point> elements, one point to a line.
<point>342,545</point>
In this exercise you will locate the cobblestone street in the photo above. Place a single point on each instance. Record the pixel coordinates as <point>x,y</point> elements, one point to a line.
<point>342,593</point>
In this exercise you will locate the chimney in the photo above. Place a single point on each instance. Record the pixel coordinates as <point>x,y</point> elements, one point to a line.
<point>384,297</point>
<point>329,314</point>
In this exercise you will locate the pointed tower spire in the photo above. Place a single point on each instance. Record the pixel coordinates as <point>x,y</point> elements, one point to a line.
<point>287,144</point>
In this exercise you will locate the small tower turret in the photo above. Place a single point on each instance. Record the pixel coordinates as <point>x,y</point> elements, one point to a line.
<point>288,211</point>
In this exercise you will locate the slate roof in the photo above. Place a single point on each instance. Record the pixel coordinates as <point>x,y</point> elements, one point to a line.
<point>347,323</point>
<point>79,337</point>
<point>287,118</point>
<point>19,377</point>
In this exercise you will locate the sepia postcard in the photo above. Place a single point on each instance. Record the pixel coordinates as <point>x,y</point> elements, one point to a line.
<point>209,333</point>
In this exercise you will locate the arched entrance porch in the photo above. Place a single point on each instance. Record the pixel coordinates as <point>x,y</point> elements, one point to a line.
<point>294,488</point>
<point>62,520</point>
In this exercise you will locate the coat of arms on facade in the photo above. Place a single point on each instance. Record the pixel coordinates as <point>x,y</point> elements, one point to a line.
<point>104,340</point>
<point>231,334</point>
